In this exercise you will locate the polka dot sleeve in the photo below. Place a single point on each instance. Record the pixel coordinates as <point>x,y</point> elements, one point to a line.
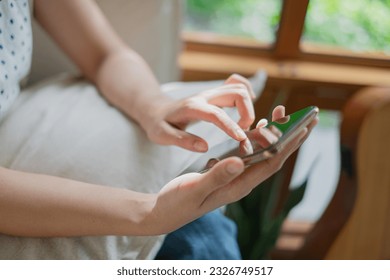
<point>15,49</point>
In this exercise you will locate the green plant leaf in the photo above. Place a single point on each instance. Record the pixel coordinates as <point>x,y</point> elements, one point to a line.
<point>258,227</point>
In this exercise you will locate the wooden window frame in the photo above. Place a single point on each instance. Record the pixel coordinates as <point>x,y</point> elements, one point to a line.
<point>287,44</point>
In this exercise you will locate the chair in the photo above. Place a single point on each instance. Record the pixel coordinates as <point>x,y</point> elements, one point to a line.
<point>356,223</point>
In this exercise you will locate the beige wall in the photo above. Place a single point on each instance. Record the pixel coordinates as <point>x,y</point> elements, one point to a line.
<point>150,27</point>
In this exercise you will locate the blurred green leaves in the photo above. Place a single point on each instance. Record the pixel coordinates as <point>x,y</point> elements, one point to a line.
<point>359,25</point>
<point>248,18</point>
<point>258,219</point>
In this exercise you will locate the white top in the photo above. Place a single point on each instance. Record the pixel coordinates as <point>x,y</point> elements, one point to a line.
<point>15,49</point>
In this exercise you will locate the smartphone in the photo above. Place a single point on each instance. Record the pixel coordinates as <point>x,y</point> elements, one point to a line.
<point>283,130</point>
<point>286,129</point>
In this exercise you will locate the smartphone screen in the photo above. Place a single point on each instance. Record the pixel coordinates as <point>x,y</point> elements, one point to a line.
<point>284,129</point>
<point>281,130</point>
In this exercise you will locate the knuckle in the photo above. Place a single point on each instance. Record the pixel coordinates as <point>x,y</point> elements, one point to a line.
<point>242,92</point>
<point>243,192</point>
<point>241,85</point>
<point>217,113</point>
<point>278,165</point>
<point>189,103</point>
<point>236,76</point>
<point>155,132</point>
<point>274,164</point>
<point>219,179</point>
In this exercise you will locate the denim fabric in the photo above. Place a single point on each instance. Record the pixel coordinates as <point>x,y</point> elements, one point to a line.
<point>211,237</point>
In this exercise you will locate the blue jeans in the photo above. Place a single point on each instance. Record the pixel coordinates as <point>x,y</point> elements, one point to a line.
<point>211,237</point>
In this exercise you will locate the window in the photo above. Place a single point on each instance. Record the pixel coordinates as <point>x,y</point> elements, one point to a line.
<point>254,19</point>
<point>350,31</point>
<point>360,26</point>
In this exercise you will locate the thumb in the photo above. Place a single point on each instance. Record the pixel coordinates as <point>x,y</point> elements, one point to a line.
<point>222,173</point>
<point>218,181</point>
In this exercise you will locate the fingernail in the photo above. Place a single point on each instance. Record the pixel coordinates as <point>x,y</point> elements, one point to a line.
<point>212,162</point>
<point>200,146</point>
<point>233,168</point>
<point>262,123</point>
<point>283,109</point>
<point>240,134</point>
<point>248,147</point>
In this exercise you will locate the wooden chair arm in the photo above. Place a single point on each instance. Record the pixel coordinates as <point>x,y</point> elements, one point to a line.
<point>358,214</point>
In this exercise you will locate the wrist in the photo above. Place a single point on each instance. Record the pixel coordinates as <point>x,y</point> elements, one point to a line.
<point>126,81</point>
<point>139,215</point>
<point>145,111</point>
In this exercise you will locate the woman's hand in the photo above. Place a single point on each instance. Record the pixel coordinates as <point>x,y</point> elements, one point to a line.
<point>127,82</point>
<point>189,196</point>
<point>165,119</point>
<point>262,137</point>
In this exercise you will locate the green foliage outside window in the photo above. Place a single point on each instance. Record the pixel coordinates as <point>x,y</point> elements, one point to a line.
<point>247,18</point>
<point>360,25</point>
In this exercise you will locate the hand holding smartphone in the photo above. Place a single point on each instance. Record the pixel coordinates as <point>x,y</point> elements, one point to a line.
<point>285,129</point>
<point>262,143</point>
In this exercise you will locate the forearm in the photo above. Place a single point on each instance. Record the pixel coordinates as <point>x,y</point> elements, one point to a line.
<point>122,76</point>
<point>127,82</point>
<point>45,206</point>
